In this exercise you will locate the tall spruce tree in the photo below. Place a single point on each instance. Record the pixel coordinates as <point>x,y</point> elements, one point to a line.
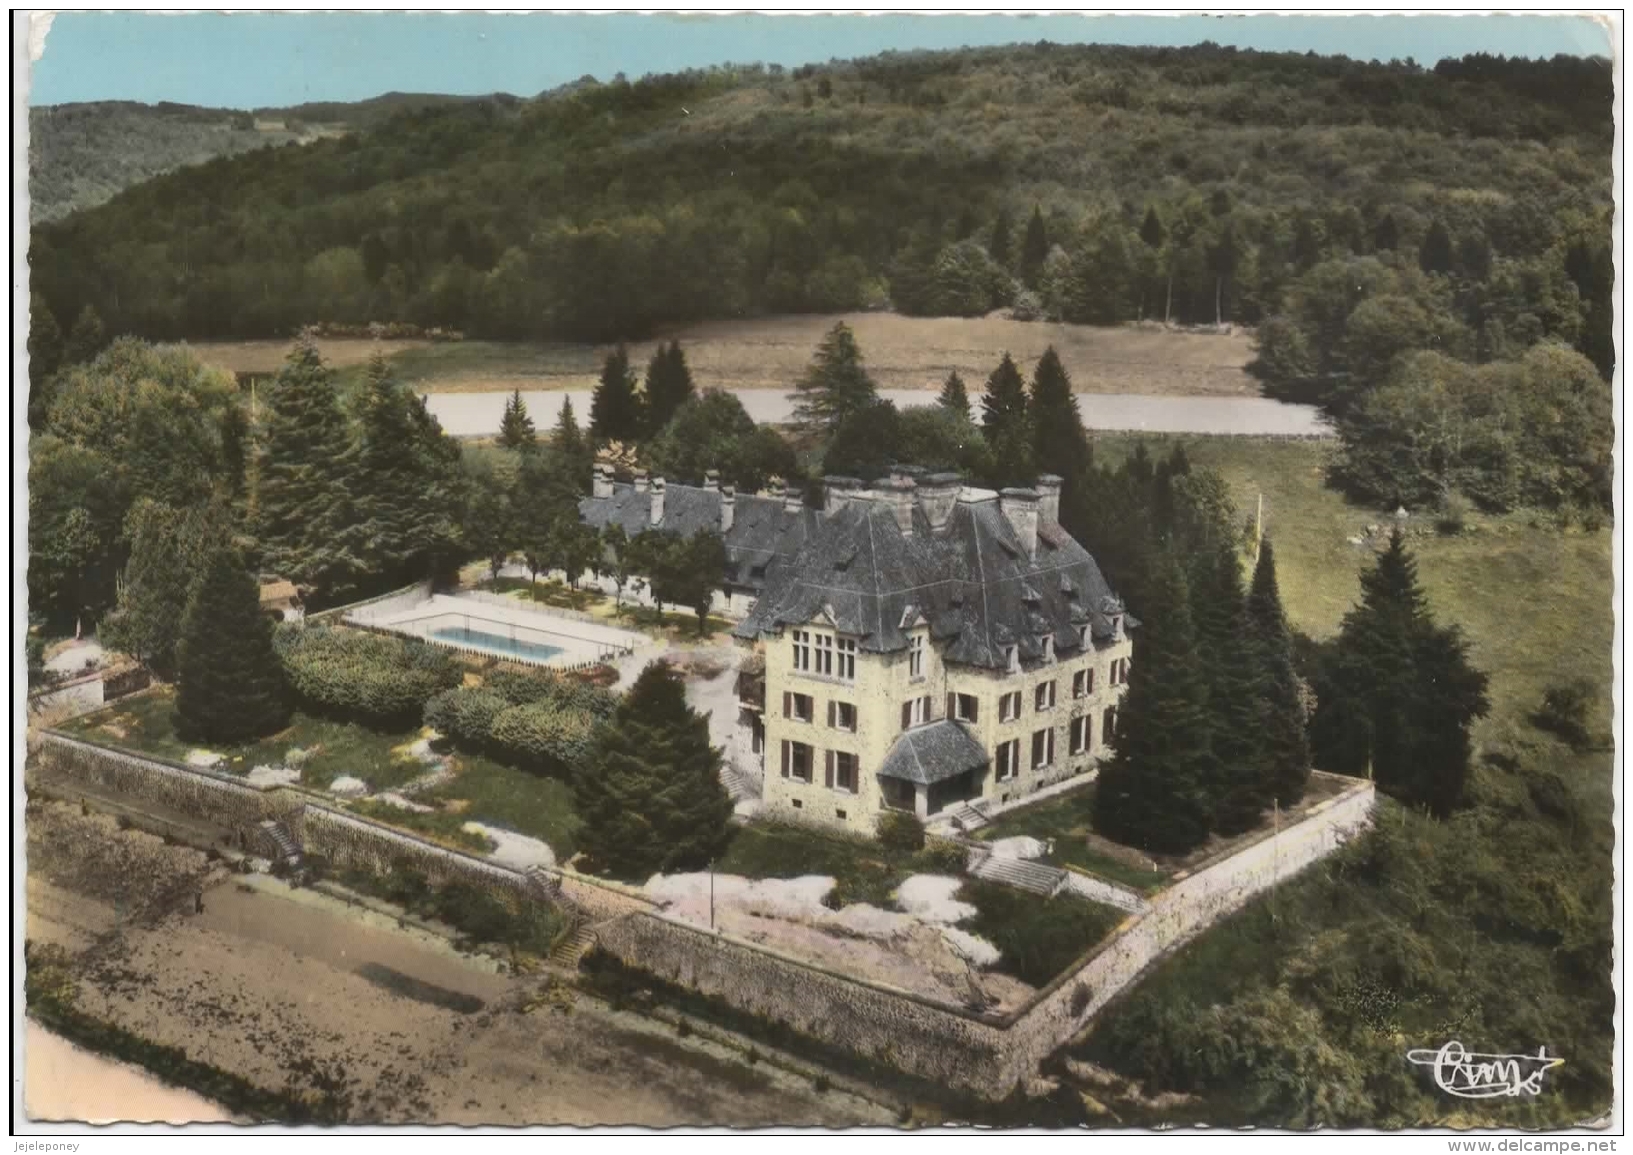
<point>955,397</point>
<point>668,386</point>
<point>1151,231</point>
<point>1060,444</point>
<point>515,426</point>
<point>1282,725</point>
<point>405,480</point>
<point>1435,253</point>
<point>615,407</point>
<point>229,683</point>
<point>1397,693</point>
<point>169,549</point>
<point>571,448</point>
<point>1034,249</point>
<point>1001,246</point>
<point>650,796</point>
<point>1006,425</point>
<point>835,385</point>
<point>1154,792</point>
<point>303,500</point>
<point>1239,791</point>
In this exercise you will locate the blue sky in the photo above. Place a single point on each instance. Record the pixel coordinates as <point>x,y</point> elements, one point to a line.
<point>263,59</point>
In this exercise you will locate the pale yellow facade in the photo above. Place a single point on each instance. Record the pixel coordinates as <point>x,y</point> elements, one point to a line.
<point>883,683</point>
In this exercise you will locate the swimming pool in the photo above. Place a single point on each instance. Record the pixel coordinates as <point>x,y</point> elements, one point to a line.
<point>495,643</point>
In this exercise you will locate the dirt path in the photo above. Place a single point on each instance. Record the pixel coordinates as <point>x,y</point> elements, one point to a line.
<point>291,989</point>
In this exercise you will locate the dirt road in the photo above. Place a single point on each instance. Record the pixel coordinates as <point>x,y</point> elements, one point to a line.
<point>291,989</point>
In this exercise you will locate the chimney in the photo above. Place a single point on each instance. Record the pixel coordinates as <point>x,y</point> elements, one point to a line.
<point>711,480</point>
<point>640,481</point>
<point>837,491</point>
<point>657,500</point>
<point>793,501</point>
<point>1020,508</point>
<point>937,495</point>
<point>899,493</point>
<point>1049,498</point>
<point>728,508</point>
<point>601,480</point>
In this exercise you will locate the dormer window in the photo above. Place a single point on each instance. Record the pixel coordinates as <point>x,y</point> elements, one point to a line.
<point>1084,638</point>
<point>1048,647</point>
<point>915,656</point>
<point>1012,659</point>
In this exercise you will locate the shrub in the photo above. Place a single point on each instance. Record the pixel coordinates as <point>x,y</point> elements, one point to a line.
<point>1564,710</point>
<point>943,856</point>
<point>364,677</point>
<point>542,737</point>
<point>1453,516</point>
<point>901,832</point>
<point>465,715</point>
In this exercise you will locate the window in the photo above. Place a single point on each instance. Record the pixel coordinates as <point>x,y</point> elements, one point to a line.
<point>802,650</point>
<point>842,716</point>
<point>1043,748</point>
<point>1081,735</point>
<point>915,656</point>
<point>841,771</point>
<point>915,712</point>
<point>839,814</point>
<point>1084,637</point>
<point>962,707</point>
<point>1009,759</point>
<point>1012,658</point>
<point>1049,647</point>
<point>847,660</point>
<point>799,707</point>
<point>796,760</point>
<point>1043,697</point>
<point>1108,724</point>
<point>1119,672</point>
<point>825,655</point>
<point>1009,707</point>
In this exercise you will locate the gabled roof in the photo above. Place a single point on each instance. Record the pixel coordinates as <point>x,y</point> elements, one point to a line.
<point>971,581</point>
<point>933,753</point>
<point>763,530</point>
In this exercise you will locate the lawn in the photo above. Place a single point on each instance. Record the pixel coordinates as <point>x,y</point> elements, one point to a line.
<point>864,871</point>
<point>1534,599</point>
<point>672,624</point>
<point>142,722</point>
<point>1038,938</point>
<point>481,790</point>
<point>1066,819</point>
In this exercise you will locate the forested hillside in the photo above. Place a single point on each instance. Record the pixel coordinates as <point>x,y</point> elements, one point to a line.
<point>1095,184</point>
<point>82,155</point>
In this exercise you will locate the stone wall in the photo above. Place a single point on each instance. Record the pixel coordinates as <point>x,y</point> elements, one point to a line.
<point>987,1055</point>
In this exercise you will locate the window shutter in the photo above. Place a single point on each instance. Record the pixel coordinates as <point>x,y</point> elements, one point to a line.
<point>907,714</point>
<point>950,713</point>
<point>828,769</point>
<point>833,712</point>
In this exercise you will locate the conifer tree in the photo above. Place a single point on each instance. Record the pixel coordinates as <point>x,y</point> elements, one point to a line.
<point>303,499</point>
<point>1060,444</point>
<point>169,549</point>
<point>668,386</point>
<point>615,408</point>
<point>86,337</point>
<point>1239,792</point>
<point>955,397</point>
<point>516,427</point>
<point>1397,692</point>
<point>1153,794</point>
<point>1282,726</point>
<point>1002,243</point>
<point>1034,248</point>
<point>229,684</point>
<point>835,385</point>
<point>1151,230</point>
<point>1435,253</point>
<point>650,796</point>
<point>572,451</point>
<point>1006,425</point>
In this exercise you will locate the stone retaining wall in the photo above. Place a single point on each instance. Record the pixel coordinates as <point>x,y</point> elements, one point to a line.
<point>987,1055</point>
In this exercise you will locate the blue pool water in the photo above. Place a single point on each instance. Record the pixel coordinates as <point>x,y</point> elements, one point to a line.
<point>495,643</point>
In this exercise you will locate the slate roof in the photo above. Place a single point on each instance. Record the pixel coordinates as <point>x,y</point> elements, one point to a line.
<point>933,753</point>
<point>762,531</point>
<point>971,582</point>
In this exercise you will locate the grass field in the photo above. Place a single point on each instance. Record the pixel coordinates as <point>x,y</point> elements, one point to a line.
<point>1534,599</point>
<point>772,352</point>
<point>1067,820</point>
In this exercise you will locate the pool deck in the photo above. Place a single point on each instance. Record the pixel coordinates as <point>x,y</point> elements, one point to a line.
<point>579,642</point>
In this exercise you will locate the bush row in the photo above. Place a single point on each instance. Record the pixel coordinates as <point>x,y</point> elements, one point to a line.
<point>369,678</point>
<point>539,722</point>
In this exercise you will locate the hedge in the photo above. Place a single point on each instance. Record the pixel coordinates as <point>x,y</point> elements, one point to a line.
<point>540,721</point>
<point>363,677</point>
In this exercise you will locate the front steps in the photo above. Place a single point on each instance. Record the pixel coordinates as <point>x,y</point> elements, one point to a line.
<point>1022,875</point>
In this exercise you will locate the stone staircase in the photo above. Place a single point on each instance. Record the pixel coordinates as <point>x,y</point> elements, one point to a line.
<point>577,943</point>
<point>739,785</point>
<point>1021,874</point>
<point>966,818</point>
<point>277,838</point>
